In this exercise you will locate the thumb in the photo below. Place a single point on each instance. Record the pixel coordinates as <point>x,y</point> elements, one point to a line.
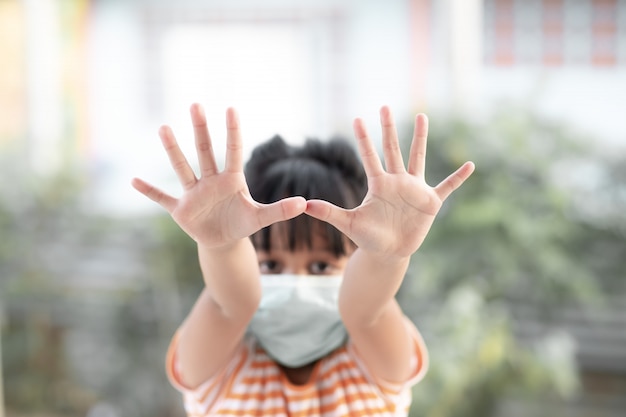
<point>454,180</point>
<point>153,193</point>
<point>330,213</point>
<point>281,210</point>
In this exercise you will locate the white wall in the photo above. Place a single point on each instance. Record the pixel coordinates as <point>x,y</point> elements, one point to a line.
<point>308,76</point>
<point>590,100</point>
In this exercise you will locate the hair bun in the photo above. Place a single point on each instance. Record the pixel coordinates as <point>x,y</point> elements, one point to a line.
<point>337,154</point>
<point>264,156</point>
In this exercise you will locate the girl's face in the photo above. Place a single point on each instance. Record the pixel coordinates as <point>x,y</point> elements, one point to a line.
<point>316,260</point>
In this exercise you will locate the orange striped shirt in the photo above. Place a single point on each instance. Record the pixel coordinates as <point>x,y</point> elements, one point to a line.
<point>252,384</point>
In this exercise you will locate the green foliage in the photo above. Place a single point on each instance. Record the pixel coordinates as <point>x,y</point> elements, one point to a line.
<point>34,212</point>
<point>71,339</point>
<point>180,252</point>
<point>508,229</point>
<point>513,234</point>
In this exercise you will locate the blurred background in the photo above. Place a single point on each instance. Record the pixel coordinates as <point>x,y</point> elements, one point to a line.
<point>519,290</point>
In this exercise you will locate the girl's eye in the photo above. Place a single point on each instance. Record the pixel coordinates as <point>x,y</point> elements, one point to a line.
<point>269,267</point>
<point>320,268</point>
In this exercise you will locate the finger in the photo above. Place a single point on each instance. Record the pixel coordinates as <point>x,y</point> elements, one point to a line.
<point>178,161</point>
<point>454,181</point>
<point>281,210</point>
<point>391,147</point>
<point>166,201</point>
<point>417,154</point>
<point>371,161</point>
<point>330,213</point>
<point>204,147</point>
<point>234,153</point>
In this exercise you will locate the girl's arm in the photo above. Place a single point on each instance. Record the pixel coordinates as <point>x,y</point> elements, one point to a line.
<point>388,227</point>
<point>217,211</point>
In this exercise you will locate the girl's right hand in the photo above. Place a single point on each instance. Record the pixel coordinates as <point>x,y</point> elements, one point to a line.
<point>216,209</point>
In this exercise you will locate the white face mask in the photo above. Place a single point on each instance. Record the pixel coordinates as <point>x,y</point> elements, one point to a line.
<point>298,320</point>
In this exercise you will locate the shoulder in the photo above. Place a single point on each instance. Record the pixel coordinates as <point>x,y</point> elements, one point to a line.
<point>242,357</point>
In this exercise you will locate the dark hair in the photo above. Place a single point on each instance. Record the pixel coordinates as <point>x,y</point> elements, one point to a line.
<point>330,171</point>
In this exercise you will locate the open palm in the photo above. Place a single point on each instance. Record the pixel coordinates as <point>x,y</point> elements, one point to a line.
<point>399,207</point>
<point>215,209</point>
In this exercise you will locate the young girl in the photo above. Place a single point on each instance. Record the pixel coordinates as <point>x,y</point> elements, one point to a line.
<point>301,259</point>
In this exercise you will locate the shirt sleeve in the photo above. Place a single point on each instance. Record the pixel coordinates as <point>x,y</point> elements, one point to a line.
<point>199,400</point>
<point>418,364</point>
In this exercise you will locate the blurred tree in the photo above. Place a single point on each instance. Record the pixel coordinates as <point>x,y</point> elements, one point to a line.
<point>82,329</point>
<point>515,234</point>
<point>34,212</point>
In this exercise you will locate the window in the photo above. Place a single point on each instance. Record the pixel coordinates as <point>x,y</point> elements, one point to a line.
<point>555,33</point>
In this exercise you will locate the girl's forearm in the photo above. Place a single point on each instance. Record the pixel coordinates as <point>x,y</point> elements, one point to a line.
<point>231,276</point>
<point>370,283</point>
<point>218,319</point>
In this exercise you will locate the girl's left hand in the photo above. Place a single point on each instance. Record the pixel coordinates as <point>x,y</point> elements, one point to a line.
<point>399,207</point>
